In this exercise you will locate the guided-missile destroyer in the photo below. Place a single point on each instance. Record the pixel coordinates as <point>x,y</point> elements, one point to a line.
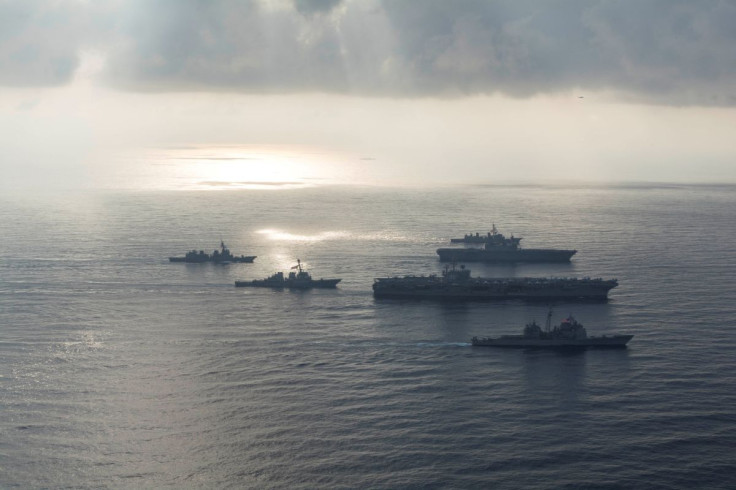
<point>300,279</point>
<point>222,256</point>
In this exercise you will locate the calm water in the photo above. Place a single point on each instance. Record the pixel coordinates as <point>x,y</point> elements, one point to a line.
<point>120,369</point>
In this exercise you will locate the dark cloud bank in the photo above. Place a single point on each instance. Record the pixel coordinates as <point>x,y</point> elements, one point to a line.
<point>678,52</point>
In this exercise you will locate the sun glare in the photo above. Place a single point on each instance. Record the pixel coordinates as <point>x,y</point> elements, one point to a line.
<point>242,167</point>
<point>291,237</point>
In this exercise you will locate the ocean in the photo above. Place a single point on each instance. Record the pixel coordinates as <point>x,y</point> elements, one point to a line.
<point>119,369</point>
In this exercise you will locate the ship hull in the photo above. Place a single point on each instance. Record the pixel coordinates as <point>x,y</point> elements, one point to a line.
<point>314,284</point>
<point>492,295</point>
<point>242,259</point>
<point>504,255</point>
<point>495,289</point>
<point>604,342</point>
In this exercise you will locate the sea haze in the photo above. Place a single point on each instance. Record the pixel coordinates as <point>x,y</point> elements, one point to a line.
<point>121,369</point>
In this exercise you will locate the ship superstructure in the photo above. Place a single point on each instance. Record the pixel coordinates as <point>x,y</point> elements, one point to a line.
<point>493,237</point>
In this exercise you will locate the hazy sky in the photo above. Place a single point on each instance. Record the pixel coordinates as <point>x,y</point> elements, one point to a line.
<point>427,91</point>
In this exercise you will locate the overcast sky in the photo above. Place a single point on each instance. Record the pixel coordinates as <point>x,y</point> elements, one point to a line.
<point>434,91</point>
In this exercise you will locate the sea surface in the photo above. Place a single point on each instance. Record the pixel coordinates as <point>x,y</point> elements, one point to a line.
<point>119,369</point>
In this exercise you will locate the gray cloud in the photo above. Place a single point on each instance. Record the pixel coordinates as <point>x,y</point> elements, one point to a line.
<point>662,51</point>
<point>669,51</point>
<point>37,46</point>
<point>226,45</point>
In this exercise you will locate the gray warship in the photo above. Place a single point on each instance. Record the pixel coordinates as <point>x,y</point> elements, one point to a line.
<point>456,283</point>
<point>300,279</point>
<point>568,334</point>
<point>222,256</point>
<point>498,248</point>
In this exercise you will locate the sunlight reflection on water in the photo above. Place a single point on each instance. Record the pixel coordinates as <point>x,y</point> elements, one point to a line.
<point>286,236</point>
<point>227,168</point>
<point>282,235</point>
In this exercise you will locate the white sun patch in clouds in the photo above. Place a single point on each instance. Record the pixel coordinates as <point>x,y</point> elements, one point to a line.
<point>91,65</point>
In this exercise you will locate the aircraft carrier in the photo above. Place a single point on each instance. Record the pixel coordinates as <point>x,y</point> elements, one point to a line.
<point>456,283</point>
<point>500,249</point>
